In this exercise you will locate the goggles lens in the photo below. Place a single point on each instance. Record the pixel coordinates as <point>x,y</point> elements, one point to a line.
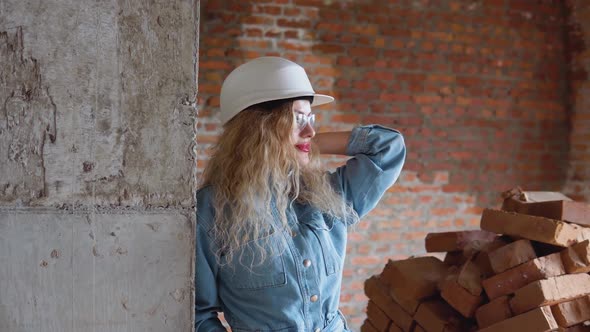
<point>302,120</point>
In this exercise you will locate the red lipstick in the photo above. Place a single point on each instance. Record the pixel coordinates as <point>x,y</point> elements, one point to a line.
<point>305,147</point>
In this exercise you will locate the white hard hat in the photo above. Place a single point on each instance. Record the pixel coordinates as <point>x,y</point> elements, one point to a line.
<point>265,79</point>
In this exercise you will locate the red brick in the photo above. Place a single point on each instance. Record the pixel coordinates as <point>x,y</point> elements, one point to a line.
<point>575,328</point>
<point>325,71</point>
<point>550,291</point>
<point>290,11</point>
<point>272,33</point>
<point>368,327</point>
<point>201,163</point>
<point>378,292</point>
<point>328,48</point>
<point>511,255</point>
<point>377,317</point>
<point>209,88</point>
<point>273,10</point>
<point>253,43</point>
<point>572,312</point>
<point>574,212</point>
<point>369,29</point>
<point>214,65</point>
<point>437,316</point>
<point>469,277</point>
<point>513,279</point>
<point>379,75</point>
<point>482,259</point>
<point>459,298</point>
<point>294,46</point>
<point>306,24</point>
<point>395,96</point>
<point>385,236</point>
<point>262,20</point>
<point>346,118</point>
<point>215,52</point>
<point>533,228</point>
<point>426,99</point>
<point>493,312</point>
<point>539,319</point>
<point>576,258</point>
<point>332,27</point>
<point>204,139</point>
<point>419,328</point>
<point>362,52</point>
<point>413,279</point>
<point>366,260</point>
<point>455,258</point>
<point>395,328</point>
<point>455,188</point>
<point>458,240</point>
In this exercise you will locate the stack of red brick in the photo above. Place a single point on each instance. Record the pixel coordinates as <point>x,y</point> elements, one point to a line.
<point>526,270</point>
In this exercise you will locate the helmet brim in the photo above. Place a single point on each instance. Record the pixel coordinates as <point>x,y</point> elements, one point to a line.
<point>319,99</point>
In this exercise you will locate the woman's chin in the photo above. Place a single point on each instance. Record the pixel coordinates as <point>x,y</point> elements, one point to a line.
<point>303,158</point>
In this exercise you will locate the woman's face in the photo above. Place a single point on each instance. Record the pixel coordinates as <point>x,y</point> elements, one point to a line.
<point>302,131</point>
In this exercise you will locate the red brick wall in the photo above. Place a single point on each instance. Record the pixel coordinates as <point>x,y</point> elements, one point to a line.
<point>578,56</point>
<point>477,88</point>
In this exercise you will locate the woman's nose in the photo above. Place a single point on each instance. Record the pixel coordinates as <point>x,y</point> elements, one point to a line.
<point>307,131</point>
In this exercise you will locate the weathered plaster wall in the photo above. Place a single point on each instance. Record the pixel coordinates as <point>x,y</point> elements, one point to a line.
<point>97,107</point>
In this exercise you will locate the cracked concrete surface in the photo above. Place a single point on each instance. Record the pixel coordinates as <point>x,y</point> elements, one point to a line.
<point>75,275</point>
<point>27,122</point>
<point>94,102</point>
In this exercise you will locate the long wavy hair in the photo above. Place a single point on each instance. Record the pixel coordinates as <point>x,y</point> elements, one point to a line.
<point>255,175</point>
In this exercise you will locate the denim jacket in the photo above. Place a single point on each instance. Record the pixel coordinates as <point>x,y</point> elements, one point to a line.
<point>300,289</point>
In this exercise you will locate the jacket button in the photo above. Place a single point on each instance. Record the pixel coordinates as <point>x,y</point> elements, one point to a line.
<point>306,263</point>
<point>313,298</point>
<point>317,330</point>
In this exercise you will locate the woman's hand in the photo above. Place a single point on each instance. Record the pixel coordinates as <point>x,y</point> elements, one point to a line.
<point>332,142</point>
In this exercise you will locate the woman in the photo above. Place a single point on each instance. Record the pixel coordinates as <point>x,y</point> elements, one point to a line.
<point>271,224</point>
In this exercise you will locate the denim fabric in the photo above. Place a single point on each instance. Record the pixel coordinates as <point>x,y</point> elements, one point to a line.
<point>284,294</point>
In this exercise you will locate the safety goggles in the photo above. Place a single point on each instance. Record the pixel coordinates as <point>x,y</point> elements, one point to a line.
<point>302,120</point>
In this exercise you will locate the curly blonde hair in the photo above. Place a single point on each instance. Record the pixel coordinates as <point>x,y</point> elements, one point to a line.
<point>255,175</point>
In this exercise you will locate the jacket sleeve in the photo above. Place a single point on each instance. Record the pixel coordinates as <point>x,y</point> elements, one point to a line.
<point>206,300</point>
<point>378,157</point>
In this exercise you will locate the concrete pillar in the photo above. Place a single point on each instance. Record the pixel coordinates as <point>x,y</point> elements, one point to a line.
<point>97,172</point>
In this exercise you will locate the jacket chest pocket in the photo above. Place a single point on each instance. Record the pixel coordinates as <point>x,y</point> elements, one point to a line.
<point>256,265</point>
<point>322,232</point>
